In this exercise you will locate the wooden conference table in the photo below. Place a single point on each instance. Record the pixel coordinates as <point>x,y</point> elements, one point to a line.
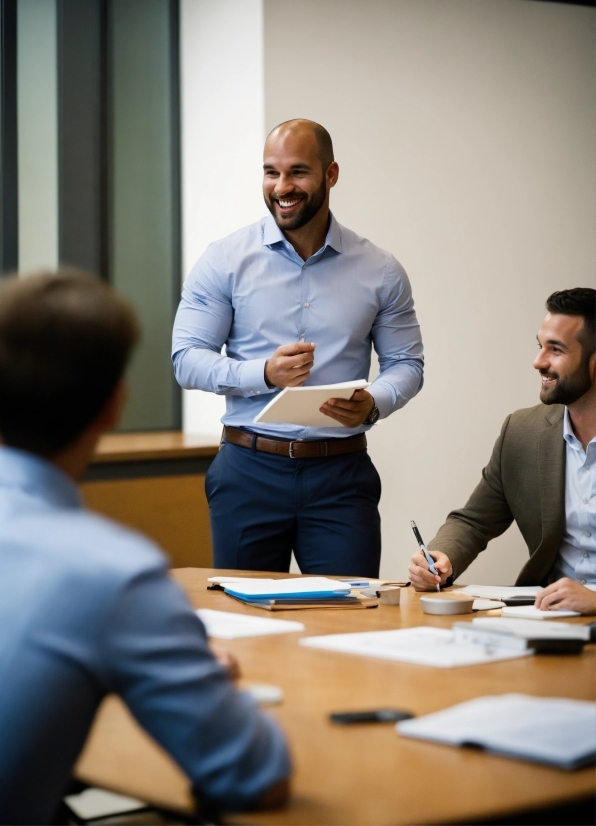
<point>358,774</point>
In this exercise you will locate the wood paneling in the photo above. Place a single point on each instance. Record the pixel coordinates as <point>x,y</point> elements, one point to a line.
<point>171,510</point>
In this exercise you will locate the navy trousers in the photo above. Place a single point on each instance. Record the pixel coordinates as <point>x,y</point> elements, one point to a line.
<point>263,507</point>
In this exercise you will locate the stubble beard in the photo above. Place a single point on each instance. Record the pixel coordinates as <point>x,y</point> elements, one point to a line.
<point>567,391</point>
<point>309,208</point>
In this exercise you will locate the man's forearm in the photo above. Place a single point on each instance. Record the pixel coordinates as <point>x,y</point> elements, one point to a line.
<point>199,368</point>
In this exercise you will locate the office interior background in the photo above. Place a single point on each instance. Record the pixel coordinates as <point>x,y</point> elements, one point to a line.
<point>465,131</point>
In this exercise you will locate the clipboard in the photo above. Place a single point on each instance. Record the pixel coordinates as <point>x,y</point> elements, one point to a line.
<point>300,405</point>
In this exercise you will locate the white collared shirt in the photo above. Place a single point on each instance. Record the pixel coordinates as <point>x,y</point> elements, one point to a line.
<point>577,553</point>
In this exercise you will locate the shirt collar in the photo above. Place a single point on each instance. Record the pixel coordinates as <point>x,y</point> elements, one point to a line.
<point>37,476</point>
<point>570,436</point>
<point>273,235</point>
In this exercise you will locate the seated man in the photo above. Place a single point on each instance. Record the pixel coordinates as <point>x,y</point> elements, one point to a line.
<point>542,473</point>
<point>87,607</point>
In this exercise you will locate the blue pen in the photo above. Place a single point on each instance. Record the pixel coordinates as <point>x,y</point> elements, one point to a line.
<point>427,556</point>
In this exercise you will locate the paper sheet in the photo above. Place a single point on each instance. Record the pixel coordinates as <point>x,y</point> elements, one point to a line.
<point>487,604</point>
<point>308,586</point>
<point>300,405</point>
<point>529,612</point>
<point>499,591</point>
<point>550,730</point>
<point>423,646</point>
<point>225,625</point>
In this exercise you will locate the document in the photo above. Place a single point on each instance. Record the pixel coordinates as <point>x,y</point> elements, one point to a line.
<point>555,731</point>
<point>300,405</point>
<point>423,646</point>
<point>499,591</point>
<point>224,625</point>
<point>529,612</point>
<point>312,587</point>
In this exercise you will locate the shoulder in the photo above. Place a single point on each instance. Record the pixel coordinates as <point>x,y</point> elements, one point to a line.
<point>534,419</point>
<point>238,241</point>
<point>354,244</point>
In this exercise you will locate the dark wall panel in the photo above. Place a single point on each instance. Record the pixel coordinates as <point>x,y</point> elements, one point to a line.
<point>9,200</point>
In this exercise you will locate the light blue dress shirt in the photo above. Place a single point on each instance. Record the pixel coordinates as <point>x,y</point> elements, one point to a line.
<point>577,554</point>
<point>87,608</point>
<point>252,293</point>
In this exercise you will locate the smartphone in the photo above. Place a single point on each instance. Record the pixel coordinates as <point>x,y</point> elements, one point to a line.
<point>381,715</point>
<point>519,600</point>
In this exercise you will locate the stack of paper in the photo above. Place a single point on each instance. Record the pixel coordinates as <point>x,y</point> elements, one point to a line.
<point>423,645</point>
<point>500,591</point>
<point>556,731</point>
<point>298,592</point>
<point>300,405</point>
<point>531,613</point>
<point>519,634</point>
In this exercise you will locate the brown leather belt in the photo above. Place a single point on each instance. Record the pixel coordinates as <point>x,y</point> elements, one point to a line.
<point>315,449</point>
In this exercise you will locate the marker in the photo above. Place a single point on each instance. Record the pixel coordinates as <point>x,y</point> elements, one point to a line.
<point>427,556</point>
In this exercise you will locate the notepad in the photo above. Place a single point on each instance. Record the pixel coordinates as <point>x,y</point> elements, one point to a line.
<point>315,587</point>
<point>422,646</point>
<point>300,405</point>
<point>529,612</point>
<point>499,591</point>
<point>225,625</point>
<point>555,731</point>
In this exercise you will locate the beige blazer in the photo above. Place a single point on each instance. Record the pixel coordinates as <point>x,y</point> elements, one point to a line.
<point>524,480</point>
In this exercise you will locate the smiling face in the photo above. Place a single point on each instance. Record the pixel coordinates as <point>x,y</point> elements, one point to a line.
<point>567,371</point>
<point>295,185</point>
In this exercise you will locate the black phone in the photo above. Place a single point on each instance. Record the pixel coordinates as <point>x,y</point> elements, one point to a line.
<point>380,715</point>
<point>519,600</point>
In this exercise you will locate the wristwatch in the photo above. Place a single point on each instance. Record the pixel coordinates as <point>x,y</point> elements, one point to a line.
<point>373,416</point>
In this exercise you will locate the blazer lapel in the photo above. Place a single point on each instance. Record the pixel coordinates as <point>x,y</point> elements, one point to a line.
<point>551,484</point>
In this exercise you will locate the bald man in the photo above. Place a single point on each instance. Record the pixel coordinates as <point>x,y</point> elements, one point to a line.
<point>297,299</point>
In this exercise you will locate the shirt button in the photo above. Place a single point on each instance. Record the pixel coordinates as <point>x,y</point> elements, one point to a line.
<point>587,533</point>
<point>585,501</point>
<point>307,304</point>
<point>301,338</point>
<point>586,556</point>
<point>582,582</point>
<point>258,392</point>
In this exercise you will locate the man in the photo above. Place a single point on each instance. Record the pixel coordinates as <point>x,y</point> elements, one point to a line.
<point>86,607</point>
<point>542,473</point>
<point>297,299</point>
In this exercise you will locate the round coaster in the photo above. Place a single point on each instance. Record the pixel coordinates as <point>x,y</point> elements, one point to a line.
<point>446,605</point>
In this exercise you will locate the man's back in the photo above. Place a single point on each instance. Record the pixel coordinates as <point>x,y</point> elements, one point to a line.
<point>86,608</point>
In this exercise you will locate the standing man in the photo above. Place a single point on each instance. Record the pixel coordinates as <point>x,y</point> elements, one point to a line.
<point>542,473</point>
<point>297,299</point>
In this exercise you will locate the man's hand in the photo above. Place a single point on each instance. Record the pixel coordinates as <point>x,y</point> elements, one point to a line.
<point>420,576</point>
<point>350,412</point>
<point>290,365</point>
<point>568,594</point>
<point>227,661</point>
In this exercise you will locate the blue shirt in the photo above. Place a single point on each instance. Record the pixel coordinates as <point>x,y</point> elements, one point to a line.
<point>577,553</point>
<point>87,608</point>
<point>252,293</point>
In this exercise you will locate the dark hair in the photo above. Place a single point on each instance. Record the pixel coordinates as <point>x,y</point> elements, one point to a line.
<point>323,138</point>
<point>65,340</point>
<point>579,301</point>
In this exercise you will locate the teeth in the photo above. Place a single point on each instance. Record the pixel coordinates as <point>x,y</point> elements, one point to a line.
<point>288,203</point>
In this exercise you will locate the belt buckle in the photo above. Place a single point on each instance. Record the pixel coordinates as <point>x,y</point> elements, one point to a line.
<point>291,449</point>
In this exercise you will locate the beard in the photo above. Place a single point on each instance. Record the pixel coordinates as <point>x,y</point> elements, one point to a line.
<point>306,212</point>
<point>569,390</point>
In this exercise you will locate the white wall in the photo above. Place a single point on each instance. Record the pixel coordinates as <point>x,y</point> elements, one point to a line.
<point>465,134</point>
<point>223,125</point>
<point>37,134</point>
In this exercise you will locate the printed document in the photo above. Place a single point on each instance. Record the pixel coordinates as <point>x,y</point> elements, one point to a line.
<point>499,591</point>
<point>423,646</point>
<point>529,612</point>
<point>300,405</point>
<point>549,730</point>
<point>224,625</point>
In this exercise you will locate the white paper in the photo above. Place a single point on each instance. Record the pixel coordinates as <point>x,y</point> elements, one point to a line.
<point>499,591</point>
<point>224,625</point>
<point>222,580</point>
<point>529,612</point>
<point>550,730</point>
<point>300,405</point>
<point>423,646</point>
<point>93,803</point>
<point>311,585</point>
<point>529,628</point>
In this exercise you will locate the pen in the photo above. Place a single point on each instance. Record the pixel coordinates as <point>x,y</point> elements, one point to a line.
<point>427,556</point>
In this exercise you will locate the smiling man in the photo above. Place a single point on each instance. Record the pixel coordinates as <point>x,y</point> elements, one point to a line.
<point>297,299</point>
<point>542,473</point>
